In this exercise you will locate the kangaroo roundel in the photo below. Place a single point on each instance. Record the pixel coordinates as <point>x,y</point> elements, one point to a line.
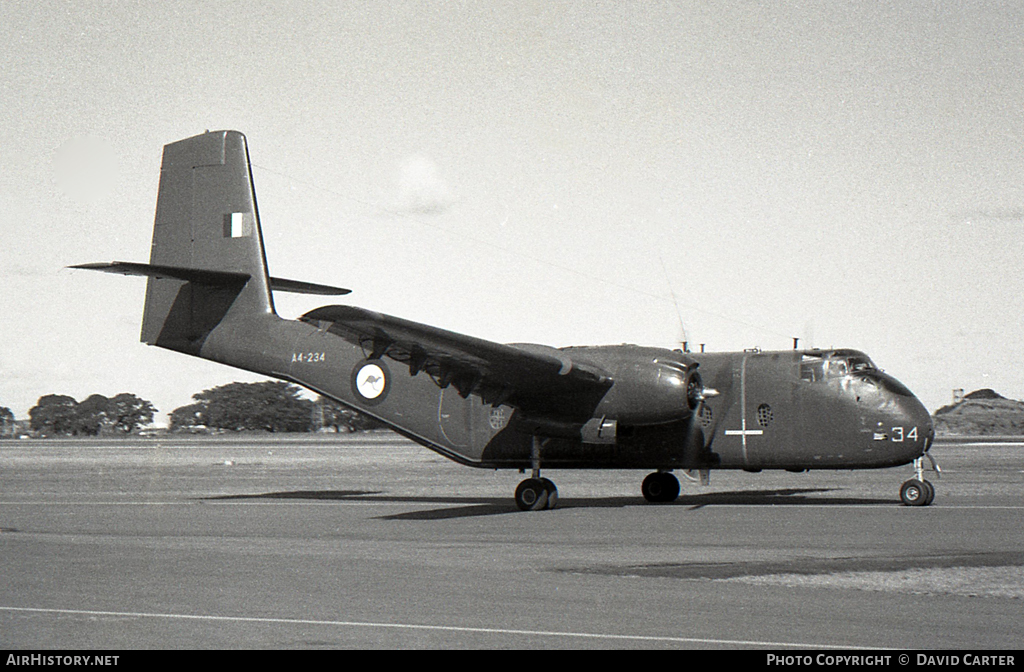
<point>370,381</point>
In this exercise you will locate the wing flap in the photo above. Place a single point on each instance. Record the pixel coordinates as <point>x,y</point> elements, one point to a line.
<point>537,379</point>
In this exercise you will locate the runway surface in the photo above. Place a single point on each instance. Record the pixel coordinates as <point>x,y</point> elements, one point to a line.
<point>371,541</point>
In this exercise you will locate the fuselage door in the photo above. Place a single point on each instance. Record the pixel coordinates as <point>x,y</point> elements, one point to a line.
<point>767,400</point>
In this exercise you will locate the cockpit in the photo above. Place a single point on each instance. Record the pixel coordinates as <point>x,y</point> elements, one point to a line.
<point>847,366</point>
<point>820,365</point>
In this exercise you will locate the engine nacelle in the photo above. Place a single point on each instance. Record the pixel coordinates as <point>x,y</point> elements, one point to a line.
<point>651,393</point>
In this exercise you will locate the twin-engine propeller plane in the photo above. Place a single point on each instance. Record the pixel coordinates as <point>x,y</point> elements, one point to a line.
<point>517,406</point>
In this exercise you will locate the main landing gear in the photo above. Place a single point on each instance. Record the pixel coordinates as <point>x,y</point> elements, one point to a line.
<point>917,491</point>
<point>536,493</point>
<point>660,487</point>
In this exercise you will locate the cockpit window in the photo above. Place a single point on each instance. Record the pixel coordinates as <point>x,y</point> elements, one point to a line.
<point>815,368</point>
<point>838,367</point>
<point>861,363</point>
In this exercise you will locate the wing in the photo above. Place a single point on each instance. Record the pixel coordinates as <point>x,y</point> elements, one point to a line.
<point>539,380</point>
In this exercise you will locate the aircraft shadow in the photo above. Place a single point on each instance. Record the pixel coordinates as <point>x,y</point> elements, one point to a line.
<point>472,506</point>
<point>299,494</point>
<point>783,496</point>
<point>468,507</point>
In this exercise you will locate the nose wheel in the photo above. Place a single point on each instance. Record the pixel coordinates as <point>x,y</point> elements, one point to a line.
<point>917,493</point>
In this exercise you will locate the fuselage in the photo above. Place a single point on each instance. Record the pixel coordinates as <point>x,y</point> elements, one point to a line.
<point>796,410</point>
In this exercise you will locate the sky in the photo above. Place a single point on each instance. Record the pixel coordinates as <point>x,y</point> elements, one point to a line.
<point>734,174</point>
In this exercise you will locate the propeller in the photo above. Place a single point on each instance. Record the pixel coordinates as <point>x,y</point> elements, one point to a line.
<point>694,391</point>
<point>696,436</point>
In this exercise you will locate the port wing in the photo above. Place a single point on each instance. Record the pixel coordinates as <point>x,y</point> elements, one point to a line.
<point>539,380</point>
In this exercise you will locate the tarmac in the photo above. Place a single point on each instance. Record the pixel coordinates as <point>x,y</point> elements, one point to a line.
<point>369,541</point>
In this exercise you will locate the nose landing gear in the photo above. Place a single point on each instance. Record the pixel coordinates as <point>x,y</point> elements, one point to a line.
<point>917,491</point>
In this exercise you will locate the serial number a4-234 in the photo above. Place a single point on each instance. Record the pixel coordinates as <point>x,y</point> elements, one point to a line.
<point>308,357</point>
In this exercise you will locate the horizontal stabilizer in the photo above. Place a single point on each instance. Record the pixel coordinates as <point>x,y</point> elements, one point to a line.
<point>201,276</point>
<point>207,277</point>
<point>299,287</point>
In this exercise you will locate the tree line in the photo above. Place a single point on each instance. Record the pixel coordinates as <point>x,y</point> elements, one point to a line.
<point>6,421</point>
<point>59,414</point>
<point>271,406</point>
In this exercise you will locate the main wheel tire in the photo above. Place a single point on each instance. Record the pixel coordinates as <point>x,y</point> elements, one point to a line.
<point>671,487</point>
<point>914,493</point>
<point>660,487</point>
<point>549,485</point>
<point>532,495</point>
<point>652,487</point>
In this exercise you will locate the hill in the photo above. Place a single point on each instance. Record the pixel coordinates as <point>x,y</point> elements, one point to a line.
<point>981,413</point>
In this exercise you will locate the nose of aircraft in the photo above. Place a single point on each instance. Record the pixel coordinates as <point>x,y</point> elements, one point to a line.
<point>911,426</point>
<point>919,416</point>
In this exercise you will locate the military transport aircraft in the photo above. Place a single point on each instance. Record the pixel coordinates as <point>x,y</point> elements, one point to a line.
<point>516,406</point>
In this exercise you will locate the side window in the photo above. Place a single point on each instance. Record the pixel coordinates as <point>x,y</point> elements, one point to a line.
<point>812,369</point>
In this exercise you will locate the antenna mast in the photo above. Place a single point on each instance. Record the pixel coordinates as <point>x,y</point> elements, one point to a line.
<point>682,329</point>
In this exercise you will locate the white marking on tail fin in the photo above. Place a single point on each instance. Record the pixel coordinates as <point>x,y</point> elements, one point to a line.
<point>237,226</point>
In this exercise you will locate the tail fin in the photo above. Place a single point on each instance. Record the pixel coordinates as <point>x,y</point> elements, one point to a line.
<point>206,220</point>
<point>207,264</point>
